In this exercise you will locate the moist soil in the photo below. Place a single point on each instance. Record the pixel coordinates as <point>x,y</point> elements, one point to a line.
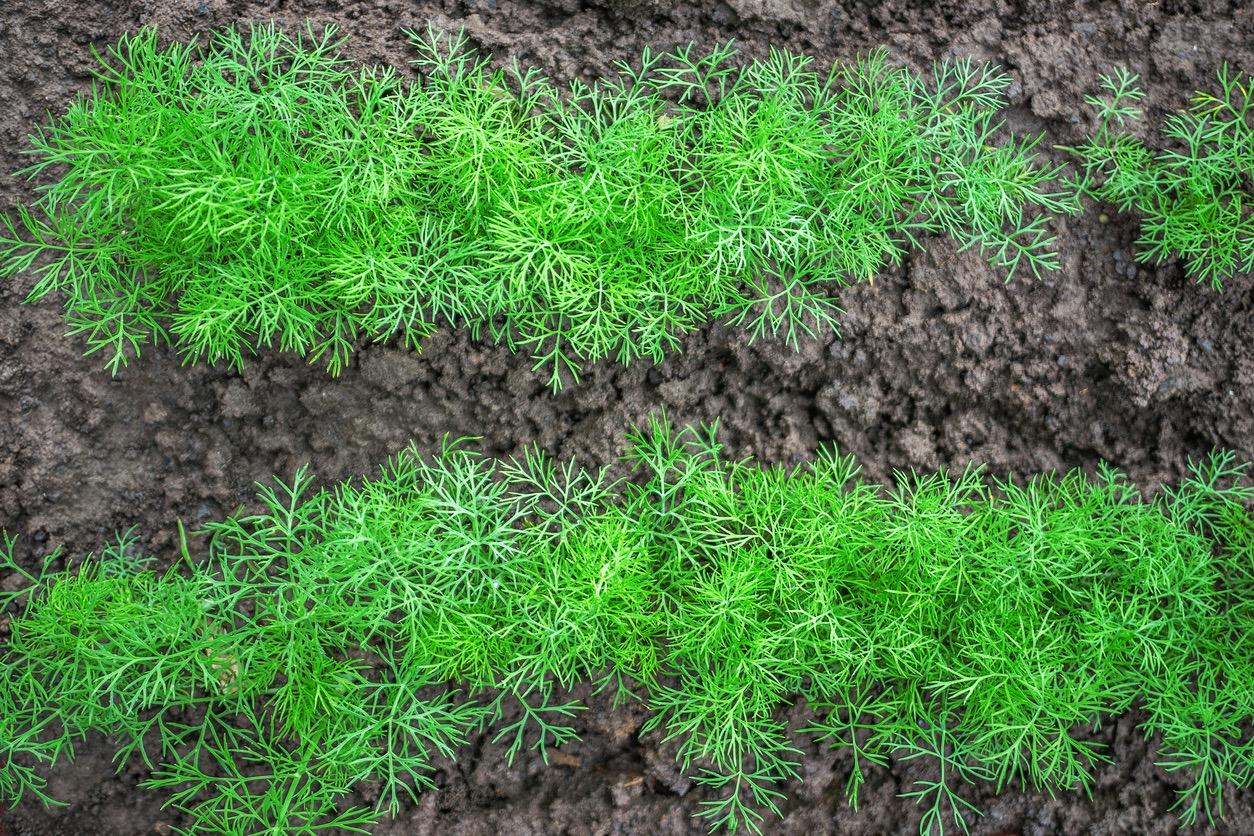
<point>940,364</point>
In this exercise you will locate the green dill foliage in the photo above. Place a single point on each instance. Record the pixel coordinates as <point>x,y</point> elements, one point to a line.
<point>257,190</point>
<point>353,635</point>
<point>1195,196</point>
<point>210,196</point>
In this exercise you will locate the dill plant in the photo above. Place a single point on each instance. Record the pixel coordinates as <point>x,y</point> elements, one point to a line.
<point>1194,195</point>
<point>199,194</point>
<point>355,633</point>
<point>257,190</point>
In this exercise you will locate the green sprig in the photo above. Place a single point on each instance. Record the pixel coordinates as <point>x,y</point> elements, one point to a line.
<point>1193,195</point>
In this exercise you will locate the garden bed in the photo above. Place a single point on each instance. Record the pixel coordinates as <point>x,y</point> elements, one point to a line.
<point>939,365</point>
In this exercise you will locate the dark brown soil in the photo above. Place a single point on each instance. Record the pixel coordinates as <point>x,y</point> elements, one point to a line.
<point>940,364</point>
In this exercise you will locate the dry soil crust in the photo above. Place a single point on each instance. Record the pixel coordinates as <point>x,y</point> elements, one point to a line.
<point>939,365</point>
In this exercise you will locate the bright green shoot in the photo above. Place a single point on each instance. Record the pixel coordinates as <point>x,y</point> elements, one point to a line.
<point>360,634</point>
<point>1196,196</point>
<point>257,190</point>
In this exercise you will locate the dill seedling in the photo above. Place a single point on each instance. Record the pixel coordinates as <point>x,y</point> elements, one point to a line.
<point>1194,196</point>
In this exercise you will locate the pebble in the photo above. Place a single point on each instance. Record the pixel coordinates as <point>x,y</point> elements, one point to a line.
<point>975,340</point>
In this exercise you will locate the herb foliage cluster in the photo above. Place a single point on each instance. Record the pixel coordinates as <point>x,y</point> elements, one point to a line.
<point>354,633</point>
<point>259,190</point>
<point>1195,196</point>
